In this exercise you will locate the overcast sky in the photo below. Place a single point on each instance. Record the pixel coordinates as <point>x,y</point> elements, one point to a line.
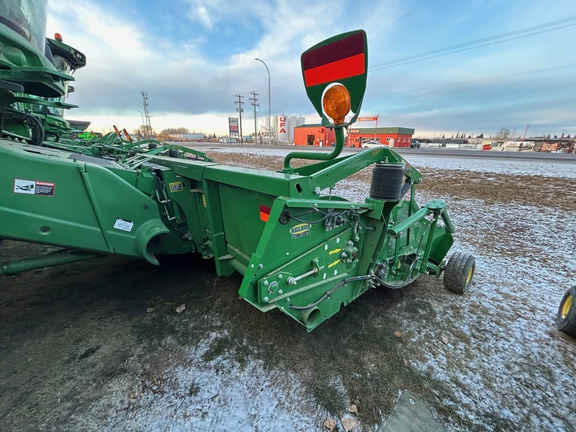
<point>440,67</point>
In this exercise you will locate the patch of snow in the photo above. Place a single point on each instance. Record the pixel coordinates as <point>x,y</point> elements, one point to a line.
<point>504,361</point>
<point>541,167</point>
<point>505,358</point>
<point>216,396</point>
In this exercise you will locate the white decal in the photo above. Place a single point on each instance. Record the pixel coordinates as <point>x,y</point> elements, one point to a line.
<point>33,187</point>
<point>24,186</point>
<point>123,225</point>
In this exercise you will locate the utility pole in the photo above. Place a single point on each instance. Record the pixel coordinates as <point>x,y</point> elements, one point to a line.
<point>254,102</point>
<point>240,110</point>
<point>147,125</point>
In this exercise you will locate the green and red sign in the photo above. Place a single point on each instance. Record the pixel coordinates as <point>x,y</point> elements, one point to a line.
<point>342,59</point>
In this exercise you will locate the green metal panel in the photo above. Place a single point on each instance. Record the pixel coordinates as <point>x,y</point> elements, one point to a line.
<point>242,221</point>
<point>72,203</point>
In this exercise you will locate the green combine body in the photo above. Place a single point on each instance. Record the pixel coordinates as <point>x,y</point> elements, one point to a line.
<point>300,250</point>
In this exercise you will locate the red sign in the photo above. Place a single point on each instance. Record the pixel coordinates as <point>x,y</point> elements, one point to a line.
<point>233,126</point>
<point>375,118</point>
<point>336,61</point>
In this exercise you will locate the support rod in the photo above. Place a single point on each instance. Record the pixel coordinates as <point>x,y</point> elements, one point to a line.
<point>339,146</point>
<point>49,260</point>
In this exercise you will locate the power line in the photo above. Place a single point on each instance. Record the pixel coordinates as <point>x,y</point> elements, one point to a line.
<point>478,43</point>
<point>463,84</point>
<point>491,40</point>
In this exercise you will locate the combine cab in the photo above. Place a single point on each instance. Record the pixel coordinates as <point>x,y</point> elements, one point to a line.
<point>299,248</point>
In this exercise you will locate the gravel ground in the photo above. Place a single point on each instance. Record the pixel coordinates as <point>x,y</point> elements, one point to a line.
<point>101,345</point>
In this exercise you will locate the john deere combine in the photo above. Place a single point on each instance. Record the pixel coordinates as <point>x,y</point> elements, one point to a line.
<point>300,250</point>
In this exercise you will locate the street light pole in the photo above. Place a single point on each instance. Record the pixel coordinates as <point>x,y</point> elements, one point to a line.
<point>269,109</point>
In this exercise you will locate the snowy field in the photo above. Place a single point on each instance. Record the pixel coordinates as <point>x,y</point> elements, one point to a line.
<point>504,359</point>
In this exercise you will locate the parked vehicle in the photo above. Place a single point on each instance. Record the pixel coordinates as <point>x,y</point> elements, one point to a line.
<point>373,144</point>
<point>415,144</point>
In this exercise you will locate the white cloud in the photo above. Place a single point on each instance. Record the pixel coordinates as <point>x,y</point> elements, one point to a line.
<point>125,56</point>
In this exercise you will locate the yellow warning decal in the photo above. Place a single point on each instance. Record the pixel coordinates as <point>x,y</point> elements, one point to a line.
<point>332,252</point>
<point>176,186</point>
<point>300,230</point>
<point>333,264</point>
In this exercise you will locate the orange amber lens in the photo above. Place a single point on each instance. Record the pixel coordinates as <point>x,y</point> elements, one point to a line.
<point>336,103</point>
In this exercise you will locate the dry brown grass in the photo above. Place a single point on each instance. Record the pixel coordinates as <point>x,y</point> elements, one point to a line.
<point>492,188</point>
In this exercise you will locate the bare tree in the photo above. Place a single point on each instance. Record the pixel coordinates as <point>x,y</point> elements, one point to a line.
<point>503,133</point>
<point>180,130</point>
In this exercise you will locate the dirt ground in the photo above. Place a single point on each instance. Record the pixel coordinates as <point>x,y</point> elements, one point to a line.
<point>118,344</point>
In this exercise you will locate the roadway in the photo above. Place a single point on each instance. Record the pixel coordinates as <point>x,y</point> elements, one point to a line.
<point>423,151</point>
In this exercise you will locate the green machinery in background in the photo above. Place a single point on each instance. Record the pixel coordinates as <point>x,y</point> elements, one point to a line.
<point>299,248</point>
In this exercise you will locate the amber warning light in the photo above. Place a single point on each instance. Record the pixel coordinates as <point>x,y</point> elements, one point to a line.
<point>336,103</point>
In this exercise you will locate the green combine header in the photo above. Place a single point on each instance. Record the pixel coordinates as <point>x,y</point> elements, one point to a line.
<point>300,250</point>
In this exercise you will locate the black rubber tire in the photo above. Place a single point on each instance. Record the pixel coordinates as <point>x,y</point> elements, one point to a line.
<point>459,272</point>
<point>566,316</point>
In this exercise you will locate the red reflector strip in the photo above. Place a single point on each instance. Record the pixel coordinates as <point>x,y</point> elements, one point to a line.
<point>265,212</point>
<point>335,71</point>
<point>338,50</point>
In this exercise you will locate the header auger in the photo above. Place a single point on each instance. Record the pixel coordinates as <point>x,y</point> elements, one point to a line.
<point>301,251</point>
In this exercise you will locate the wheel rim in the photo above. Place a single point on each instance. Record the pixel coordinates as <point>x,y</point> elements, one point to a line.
<point>566,306</point>
<point>469,275</point>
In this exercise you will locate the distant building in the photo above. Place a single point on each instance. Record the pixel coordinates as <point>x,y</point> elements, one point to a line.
<point>282,127</point>
<point>186,137</point>
<point>314,135</point>
<point>392,136</point>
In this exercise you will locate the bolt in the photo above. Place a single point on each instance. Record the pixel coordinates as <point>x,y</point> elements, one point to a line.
<point>291,281</point>
<point>260,266</point>
<point>280,276</point>
<point>280,292</point>
<point>317,190</point>
<point>266,282</point>
<point>266,299</point>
